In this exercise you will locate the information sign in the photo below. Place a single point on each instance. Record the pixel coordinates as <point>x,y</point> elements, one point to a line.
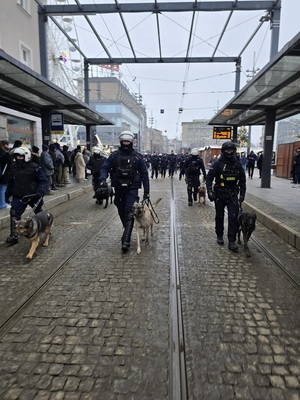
<point>222,132</point>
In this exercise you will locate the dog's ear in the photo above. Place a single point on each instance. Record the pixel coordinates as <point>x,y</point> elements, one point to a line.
<point>28,223</point>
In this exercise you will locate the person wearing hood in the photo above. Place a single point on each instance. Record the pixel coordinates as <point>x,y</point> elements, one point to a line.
<point>128,170</point>
<point>230,182</point>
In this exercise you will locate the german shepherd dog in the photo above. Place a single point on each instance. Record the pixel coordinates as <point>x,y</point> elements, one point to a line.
<point>104,193</point>
<point>144,217</point>
<point>246,227</point>
<point>32,227</point>
<point>202,194</point>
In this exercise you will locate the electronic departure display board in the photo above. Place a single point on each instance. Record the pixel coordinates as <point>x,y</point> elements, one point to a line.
<point>222,132</point>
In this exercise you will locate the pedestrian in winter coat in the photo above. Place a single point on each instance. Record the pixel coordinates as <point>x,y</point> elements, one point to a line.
<point>47,167</point>
<point>80,166</point>
<point>5,163</point>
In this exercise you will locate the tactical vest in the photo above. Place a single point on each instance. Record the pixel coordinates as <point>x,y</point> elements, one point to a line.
<point>25,181</point>
<point>126,168</point>
<point>193,168</point>
<point>228,176</point>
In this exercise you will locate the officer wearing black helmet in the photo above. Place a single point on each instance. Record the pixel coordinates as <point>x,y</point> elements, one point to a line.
<point>27,185</point>
<point>230,182</point>
<point>192,167</point>
<point>128,171</point>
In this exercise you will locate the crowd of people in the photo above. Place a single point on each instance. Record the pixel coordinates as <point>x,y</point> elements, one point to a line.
<point>26,176</point>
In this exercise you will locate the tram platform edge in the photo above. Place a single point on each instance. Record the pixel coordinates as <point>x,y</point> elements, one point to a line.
<point>64,194</point>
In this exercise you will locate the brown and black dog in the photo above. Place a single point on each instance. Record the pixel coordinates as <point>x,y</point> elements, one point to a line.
<point>246,227</point>
<point>32,227</point>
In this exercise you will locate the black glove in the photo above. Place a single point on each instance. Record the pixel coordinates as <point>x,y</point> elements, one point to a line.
<point>211,196</point>
<point>103,184</point>
<point>241,199</point>
<point>146,196</point>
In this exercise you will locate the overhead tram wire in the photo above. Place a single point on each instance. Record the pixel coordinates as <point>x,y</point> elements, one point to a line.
<point>188,52</point>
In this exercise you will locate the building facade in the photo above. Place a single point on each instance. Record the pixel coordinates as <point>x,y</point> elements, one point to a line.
<point>20,39</point>
<point>110,97</point>
<point>197,133</point>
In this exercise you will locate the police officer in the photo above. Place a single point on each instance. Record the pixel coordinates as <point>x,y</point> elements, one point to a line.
<point>26,179</point>
<point>230,181</point>
<point>192,167</point>
<point>128,171</point>
<point>94,164</point>
<point>154,165</point>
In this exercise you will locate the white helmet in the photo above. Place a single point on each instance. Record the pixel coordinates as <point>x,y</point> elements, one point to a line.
<point>97,150</point>
<point>194,151</point>
<point>23,151</point>
<point>126,135</point>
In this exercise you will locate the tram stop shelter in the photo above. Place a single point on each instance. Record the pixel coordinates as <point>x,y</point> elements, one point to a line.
<point>273,94</point>
<point>24,90</point>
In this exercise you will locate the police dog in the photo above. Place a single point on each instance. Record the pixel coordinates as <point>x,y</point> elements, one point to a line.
<point>104,193</point>
<point>144,217</point>
<point>246,227</point>
<point>32,227</point>
<point>202,194</point>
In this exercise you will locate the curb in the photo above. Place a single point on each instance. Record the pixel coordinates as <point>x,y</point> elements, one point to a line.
<point>50,203</point>
<point>283,231</point>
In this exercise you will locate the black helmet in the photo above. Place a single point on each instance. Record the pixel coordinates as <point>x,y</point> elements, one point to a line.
<point>228,149</point>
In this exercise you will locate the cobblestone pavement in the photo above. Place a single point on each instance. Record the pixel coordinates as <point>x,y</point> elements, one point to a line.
<point>100,329</point>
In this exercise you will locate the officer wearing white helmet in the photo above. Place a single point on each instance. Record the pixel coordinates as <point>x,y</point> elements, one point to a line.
<point>128,171</point>
<point>27,185</point>
<point>192,168</point>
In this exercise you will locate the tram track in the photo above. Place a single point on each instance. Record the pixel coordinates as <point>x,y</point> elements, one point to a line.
<point>178,378</point>
<point>276,262</point>
<point>17,314</point>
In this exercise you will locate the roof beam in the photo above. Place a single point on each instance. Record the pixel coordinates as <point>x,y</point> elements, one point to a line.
<point>88,9</point>
<point>158,60</point>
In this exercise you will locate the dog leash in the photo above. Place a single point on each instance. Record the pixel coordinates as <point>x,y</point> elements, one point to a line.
<point>26,200</point>
<point>152,211</point>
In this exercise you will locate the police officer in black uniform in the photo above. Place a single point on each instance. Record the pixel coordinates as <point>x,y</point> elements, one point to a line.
<point>128,171</point>
<point>154,165</point>
<point>192,168</point>
<point>26,179</point>
<point>230,182</point>
<point>94,165</point>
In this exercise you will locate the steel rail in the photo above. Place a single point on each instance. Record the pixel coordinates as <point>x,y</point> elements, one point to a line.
<point>278,264</point>
<point>12,320</point>
<point>178,380</point>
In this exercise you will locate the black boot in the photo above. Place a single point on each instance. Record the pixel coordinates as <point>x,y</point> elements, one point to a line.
<point>13,237</point>
<point>195,196</point>
<point>233,247</point>
<point>127,233</point>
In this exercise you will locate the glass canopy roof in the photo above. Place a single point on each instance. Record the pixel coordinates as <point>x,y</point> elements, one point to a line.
<point>276,86</point>
<point>24,90</point>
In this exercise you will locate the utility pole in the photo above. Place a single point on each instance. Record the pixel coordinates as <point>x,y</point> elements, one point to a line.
<point>250,75</point>
<point>151,132</point>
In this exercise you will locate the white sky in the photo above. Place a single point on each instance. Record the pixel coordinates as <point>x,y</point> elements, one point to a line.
<point>206,87</point>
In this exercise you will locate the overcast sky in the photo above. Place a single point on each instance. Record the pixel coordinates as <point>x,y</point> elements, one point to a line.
<point>200,89</point>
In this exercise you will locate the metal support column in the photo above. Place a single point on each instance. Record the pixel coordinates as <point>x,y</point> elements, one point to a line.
<point>87,100</point>
<point>236,89</point>
<point>268,148</point>
<point>275,26</point>
<point>46,127</point>
<point>42,21</point>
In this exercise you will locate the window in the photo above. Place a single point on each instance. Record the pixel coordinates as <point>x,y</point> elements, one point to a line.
<point>25,55</point>
<point>25,4</point>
